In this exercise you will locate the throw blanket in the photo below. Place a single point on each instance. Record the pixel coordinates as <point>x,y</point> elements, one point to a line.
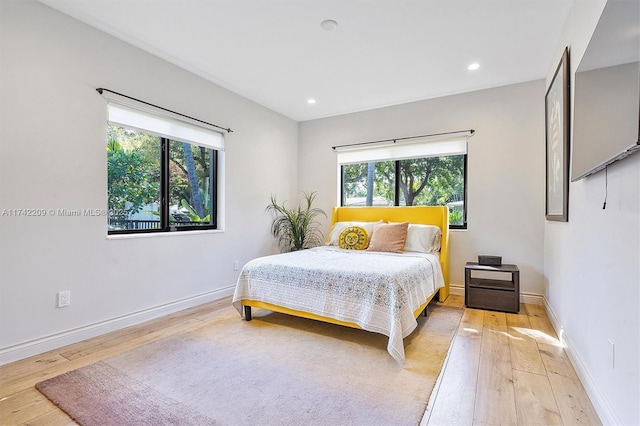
<point>377,291</point>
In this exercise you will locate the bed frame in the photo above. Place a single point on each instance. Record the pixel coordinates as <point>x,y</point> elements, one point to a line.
<point>426,215</point>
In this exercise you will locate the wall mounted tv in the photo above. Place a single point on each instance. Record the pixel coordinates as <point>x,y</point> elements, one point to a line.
<point>606,120</point>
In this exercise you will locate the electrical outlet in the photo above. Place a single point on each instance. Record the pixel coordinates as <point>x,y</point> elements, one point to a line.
<point>236,265</point>
<point>64,299</point>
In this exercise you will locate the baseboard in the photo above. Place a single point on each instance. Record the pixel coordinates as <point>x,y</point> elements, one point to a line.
<point>598,399</point>
<point>530,298</point>
<point>53,341</point>
<point>456,289</point>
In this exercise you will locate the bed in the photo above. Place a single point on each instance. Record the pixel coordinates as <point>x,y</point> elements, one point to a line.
<point>379,291</point>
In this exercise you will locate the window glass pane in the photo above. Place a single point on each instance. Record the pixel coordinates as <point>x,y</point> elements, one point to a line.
<point>133,168</point>
<point>434,181</point>
<point>190,184</point>
<point>368,184</point>
<point>430,181</point>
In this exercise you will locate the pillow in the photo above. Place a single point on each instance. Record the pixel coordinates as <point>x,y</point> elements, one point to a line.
<point>354,238</point>
<point>423,238</point>
<point>338,227</point>
<point>389,237</point>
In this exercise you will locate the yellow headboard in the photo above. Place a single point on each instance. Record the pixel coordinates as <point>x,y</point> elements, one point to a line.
<point>427,215</point>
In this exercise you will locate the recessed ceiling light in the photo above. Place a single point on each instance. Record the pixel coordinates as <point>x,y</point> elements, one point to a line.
<point>474,66</point>
<point>311,101</point>
<point>328,25</point>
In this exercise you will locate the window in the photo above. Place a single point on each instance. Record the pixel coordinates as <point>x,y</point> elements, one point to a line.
<point>162,173</point>
<point>412,174</point>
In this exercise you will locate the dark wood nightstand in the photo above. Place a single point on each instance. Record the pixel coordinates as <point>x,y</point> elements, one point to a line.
<point>490,293</point>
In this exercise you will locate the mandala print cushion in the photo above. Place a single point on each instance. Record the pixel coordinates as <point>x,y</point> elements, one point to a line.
<point>353,238</point>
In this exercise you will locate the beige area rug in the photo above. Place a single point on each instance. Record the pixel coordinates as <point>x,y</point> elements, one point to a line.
<point>274,370</point>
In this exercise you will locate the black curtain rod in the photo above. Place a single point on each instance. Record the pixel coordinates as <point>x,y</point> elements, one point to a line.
<point>471,132</point>
<point>100,90</point>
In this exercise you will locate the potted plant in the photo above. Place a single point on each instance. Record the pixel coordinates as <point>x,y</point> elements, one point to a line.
<point>296,228</point>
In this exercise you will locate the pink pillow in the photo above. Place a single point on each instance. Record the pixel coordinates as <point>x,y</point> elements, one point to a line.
<point>388,237</point>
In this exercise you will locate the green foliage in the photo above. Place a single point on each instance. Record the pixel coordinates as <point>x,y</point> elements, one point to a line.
<point>134,159</point>
<point>190,176</point>
<point>432,181</point>
<point>356,183</point>
<point>193,216</point>
<point>131,183</point>
<point>456,217</point>
<point>296,228</point>
<point>190,211</point>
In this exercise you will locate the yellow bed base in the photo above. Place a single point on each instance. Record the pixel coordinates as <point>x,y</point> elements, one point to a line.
<point>426,215</point>
<point>283,310</point>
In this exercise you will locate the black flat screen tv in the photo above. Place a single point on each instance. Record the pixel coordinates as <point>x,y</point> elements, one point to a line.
<point>606,118</point>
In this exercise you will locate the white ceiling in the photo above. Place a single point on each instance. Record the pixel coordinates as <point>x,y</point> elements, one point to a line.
<point>384,52</point>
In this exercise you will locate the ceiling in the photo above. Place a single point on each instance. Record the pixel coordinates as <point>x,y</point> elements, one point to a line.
<point>383,52</point>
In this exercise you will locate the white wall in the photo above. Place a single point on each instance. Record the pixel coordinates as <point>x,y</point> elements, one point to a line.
<point>53,156</point>
<point>592,265</point>
<point>505,167</point>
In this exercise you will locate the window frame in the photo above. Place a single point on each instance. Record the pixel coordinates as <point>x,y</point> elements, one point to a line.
<point>396,201</point>
<point>165,223</point>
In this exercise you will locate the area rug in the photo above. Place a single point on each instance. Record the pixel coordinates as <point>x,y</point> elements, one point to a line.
<point>274,370</point>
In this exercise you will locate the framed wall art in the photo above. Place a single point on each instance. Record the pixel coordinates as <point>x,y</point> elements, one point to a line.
<point>557,141</point>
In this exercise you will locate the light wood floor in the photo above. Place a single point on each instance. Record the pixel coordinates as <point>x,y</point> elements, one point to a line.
<point>501,369</point>
<point>508,369</point>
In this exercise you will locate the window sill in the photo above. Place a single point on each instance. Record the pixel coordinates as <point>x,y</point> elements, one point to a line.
<point>163,234</point>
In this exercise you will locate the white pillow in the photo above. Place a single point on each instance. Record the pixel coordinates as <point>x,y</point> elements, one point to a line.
<point>338,227</point>
<point>423,238</point>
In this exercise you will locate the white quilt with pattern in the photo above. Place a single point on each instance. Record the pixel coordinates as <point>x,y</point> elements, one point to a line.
<point>378,291</point>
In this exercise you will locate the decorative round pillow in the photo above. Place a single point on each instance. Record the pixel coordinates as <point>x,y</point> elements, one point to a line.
<point>354,238</point>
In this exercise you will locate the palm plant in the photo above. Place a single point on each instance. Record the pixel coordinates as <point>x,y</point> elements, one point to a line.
<point>296,228</point>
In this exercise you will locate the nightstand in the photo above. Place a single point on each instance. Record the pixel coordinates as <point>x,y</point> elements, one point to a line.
<point>492,293</point>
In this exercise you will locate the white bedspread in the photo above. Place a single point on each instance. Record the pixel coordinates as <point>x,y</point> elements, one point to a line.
<point>377,291</point>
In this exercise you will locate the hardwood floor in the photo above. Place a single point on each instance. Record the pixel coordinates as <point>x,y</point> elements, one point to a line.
<point>501,369</point>
<point>508,369</point>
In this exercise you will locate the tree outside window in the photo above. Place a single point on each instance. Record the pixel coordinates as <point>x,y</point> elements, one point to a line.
<point>430,181</point>
<point>157,184</point>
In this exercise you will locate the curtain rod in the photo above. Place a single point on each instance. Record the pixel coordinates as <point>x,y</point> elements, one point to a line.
<point>101,89</point>
<point>469,131</point>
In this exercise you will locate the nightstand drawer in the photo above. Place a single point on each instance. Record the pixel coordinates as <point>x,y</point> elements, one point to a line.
<point>484,298</point>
